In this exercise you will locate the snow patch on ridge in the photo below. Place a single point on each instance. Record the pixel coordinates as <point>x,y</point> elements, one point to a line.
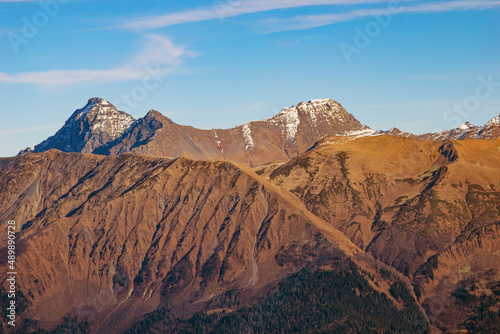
<point>362,133</point>
<point>291,118</point>
<point>247,136</point>
<point>113,123</point>
<point>217,139</point>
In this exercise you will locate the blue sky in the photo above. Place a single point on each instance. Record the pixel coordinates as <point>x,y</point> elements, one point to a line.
<point>420,66</point>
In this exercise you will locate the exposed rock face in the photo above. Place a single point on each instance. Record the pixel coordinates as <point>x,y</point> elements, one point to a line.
<point>96,124</point>
<point>429,209</point>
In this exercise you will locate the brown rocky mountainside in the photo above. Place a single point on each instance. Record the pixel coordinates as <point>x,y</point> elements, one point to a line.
<point>429,209</point>
<point>108,239</point>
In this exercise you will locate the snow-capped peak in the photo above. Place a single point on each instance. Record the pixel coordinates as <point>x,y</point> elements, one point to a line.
<point>466,126</point>
<point>494,121</point>
<point>320,106</point>
<point>95,102</point>
<point>320,101</point>
<point>104,117</point>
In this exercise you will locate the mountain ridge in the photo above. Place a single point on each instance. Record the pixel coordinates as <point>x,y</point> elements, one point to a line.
<point>284,135</point>
<point>100,128</point>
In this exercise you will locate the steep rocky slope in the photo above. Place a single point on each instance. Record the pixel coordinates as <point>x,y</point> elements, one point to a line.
<point>88,128</point>
<point>107,239</point>
<point>430,209</point>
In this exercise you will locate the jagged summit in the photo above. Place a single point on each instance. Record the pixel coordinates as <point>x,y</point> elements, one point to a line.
<point>155,114</point>
<point>97,100</point>
<point>318,106</point>
<point>93,101</point>
<point>466,126</point>
<point>494,121</point>
<point>96,104</point>
<point>88,128</point>
<point>468,130</point>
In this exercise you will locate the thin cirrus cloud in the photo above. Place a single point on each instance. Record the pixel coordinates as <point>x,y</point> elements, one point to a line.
<point>157,52</point>
<point>227,9</point>
<point>313,21</point>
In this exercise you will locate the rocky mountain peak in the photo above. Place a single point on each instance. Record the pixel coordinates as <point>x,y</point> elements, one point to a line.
<point>466,126</point>
<point>315,112</point>
<point>319,106</point>
<point>154,114</point>
<point>94,105</point>
<point>494,121</point>
<point>88,128</point>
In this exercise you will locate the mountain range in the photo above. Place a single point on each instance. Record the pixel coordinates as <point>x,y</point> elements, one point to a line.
<point>100,128</point>
<point>304,222</point>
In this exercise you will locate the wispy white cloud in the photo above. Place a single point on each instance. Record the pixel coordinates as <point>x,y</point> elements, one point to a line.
<point>158,51</point>
<point>313,21</point>
<point>30,129</point>
<point>230,8</point>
